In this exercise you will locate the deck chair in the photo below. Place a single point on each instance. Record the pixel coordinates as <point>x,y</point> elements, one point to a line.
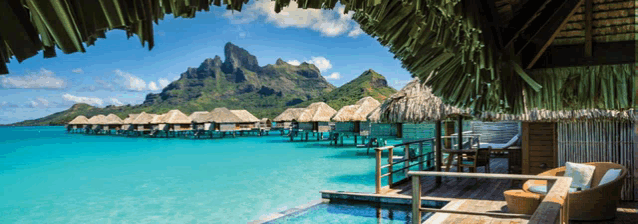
<point>481,158</point>
<point>510,143</point>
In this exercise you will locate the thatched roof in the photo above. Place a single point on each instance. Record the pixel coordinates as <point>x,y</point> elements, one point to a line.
<point>223,115</point>
<point>358,111</point>
<point>536,115</point>
<point>157,118</point>
<point>97,119</point>
<point>143,118</point>
<point>175,117</point>
<point>199,116</point>
<point>79,120</point>
<point>245,116</point>
<point>317,112</point>
<point>346,113</point>
<point>289,114</point>
<point>113,119</point>
<point>415,103</point>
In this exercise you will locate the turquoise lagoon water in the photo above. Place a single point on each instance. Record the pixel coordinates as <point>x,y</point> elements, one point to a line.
<point>48,176</point>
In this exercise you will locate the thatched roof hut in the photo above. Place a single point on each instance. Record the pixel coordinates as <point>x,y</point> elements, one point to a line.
<point>289,114</point>
<point>79,120</point>
<point>537,115</point>
<point>157,118</point>
<point>199,116</point>
<point>174,117</point>
<point>98,119</point>
<point>113,119</point>
<point>317,112</point>
<point>415,103</point>
<point>358,111</point>
<point>245,116</point>
<point>143,118</point>
<point>223,115</point>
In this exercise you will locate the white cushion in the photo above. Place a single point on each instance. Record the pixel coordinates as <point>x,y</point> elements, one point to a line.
<point>609,176</point>
<point>542,189</point>
<point>581,174</point>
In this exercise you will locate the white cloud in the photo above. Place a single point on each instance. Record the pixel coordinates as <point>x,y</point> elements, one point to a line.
<point>334,76</point>
<point>131,82</point>
<point>356,31</point>
<point>163,82</point>
<point>78,71</point>
<point>152,86</point>
<point>242,34</point>
<point>116,102</point>
<point>43,79</point>
<point>81,99</point>
<point>294,62</point>
<point>322,63</point>
<point>329,23</point>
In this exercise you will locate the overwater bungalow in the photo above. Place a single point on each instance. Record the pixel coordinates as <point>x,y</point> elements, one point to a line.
<point>174,123</point>
<point>96,124</point>
<point>265,124</point>
<point>315,120</point>
<point>200,122</point>
<point>157,127</point>
<point>77,125</point>
<point>348,120</point>
<point>285,120</point>
<point>224,121</point>
<point>413,109</point>
<point>142,123</point>
<point>249,121</point>
<point>127,125</point>
<point>112,123</point>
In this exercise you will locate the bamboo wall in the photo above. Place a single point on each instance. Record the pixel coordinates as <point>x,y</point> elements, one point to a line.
<point>412,132</point>
<point>496,132</point>
<point>226,127</point>
<point>306,126</point>
<point>378,130</point>
<point>324,127</point>
<point>601,141</point>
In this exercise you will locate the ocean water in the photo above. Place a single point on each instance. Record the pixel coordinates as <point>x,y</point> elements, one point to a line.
<point>48,176</point>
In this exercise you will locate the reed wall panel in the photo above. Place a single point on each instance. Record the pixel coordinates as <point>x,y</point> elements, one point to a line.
<point>379,130</point>
<point>412,132</point>
<point>227,127</point>
<point>344,126</point>
<point>496,132</point>
<point>601,141</point>
<point>324,127</point>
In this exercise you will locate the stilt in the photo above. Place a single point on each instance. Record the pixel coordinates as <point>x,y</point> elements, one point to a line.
<point>341,139</point>
<point>355,140</point>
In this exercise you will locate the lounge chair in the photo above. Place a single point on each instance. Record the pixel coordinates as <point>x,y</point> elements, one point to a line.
<point>496,146</point>
<point>596,203</point>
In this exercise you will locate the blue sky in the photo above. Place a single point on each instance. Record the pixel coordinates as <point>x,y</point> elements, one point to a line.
<point>118,71</point>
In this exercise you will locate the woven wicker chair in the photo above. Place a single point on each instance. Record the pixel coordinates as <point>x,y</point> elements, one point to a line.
<point>595,203</point>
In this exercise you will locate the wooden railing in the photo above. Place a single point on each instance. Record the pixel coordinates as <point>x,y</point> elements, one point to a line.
<point>553,209</point>
<point>422,159</point>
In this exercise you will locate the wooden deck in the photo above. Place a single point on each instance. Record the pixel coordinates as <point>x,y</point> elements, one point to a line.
<point>484,195</point>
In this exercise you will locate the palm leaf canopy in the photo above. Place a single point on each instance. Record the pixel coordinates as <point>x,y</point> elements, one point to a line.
<point>455,45</point>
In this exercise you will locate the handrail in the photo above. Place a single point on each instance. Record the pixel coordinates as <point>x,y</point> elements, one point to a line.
<point>547,212</point>
<point>420,156</point>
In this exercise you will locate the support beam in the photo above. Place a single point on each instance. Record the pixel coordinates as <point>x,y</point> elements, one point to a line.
<point>439,145</point>
<point>545,29</point>
<point>522,20</point>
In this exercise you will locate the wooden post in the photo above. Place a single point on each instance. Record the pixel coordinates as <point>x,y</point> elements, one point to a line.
<point>390,155</point>
<point>378,172</point>
<point>589,8</point>
<point>416,199</point>
<point>406,155</point>
<point>525,148</point>
<point>438,146</point>
<point>355,140</point>
<point>460,119</point>
<point>449,130</point>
